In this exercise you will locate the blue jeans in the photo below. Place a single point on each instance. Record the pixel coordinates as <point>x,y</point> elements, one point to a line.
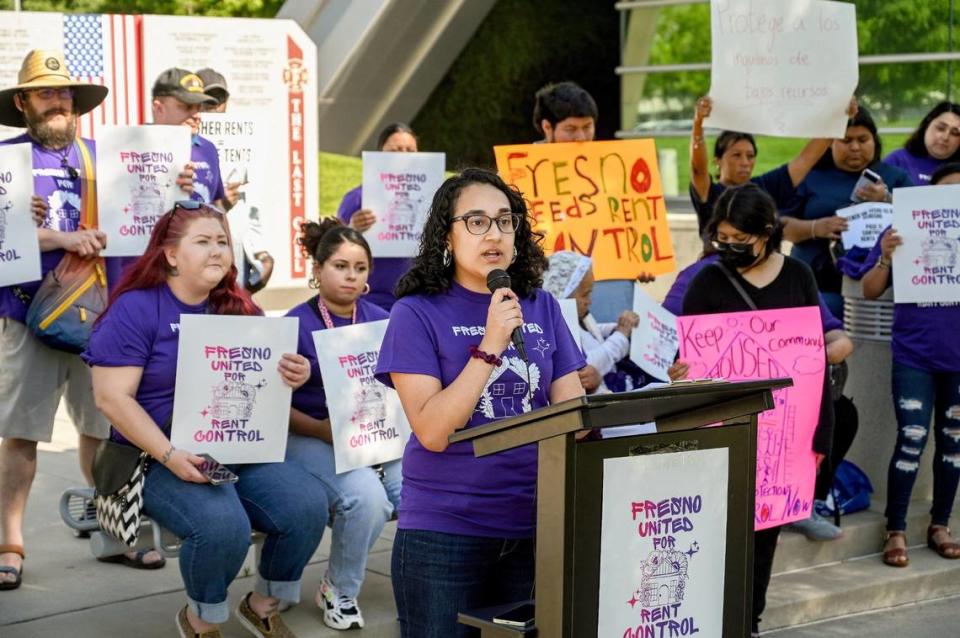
<point>436,575</point>
<point>917,394</point>
<point>214,522</point>
<point>361,504</point>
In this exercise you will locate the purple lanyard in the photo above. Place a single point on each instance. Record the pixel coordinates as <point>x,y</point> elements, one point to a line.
<point>325,314</point>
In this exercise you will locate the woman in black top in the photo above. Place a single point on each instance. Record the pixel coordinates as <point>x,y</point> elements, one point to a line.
<point>745,231</point>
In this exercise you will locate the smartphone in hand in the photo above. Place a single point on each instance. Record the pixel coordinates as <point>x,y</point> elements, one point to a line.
<point>867,177</point>
<point>216,473</point>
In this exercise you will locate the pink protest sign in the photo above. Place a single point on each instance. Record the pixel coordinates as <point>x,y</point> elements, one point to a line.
<point>769,344</point>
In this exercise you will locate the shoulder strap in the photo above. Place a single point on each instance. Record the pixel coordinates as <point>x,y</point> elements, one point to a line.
<point>736,284</point>
<point>88,185</point>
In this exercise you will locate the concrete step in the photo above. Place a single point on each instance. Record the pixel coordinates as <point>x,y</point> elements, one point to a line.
<point>862,535</point>
<point>858,585</point>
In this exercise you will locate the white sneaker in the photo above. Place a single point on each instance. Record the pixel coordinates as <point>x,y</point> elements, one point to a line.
<point>339,611</point>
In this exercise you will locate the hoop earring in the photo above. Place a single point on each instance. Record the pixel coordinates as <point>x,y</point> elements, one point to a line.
<point>313,283</point>
<point>366,289</point>
<point>447,258</point>
<point>514,256</point>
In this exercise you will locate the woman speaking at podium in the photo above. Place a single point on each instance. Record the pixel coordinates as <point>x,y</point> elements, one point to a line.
<point>466,524</point>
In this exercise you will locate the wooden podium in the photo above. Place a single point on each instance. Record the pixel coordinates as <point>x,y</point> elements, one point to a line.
<point>570,484</point>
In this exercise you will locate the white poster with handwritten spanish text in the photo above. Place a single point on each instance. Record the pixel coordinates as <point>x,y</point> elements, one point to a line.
<point>782,67</point>
<point>926,268</point>
<point>19,246</point>
<point>653,343</point>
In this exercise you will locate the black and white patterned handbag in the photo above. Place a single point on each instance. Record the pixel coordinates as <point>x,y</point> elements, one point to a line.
<point>118,475</point>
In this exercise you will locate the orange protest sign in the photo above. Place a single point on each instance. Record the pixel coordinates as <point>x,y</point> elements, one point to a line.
<point>601,199</point>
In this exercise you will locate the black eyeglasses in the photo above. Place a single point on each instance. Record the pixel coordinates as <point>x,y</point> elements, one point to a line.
<point>478,224</point>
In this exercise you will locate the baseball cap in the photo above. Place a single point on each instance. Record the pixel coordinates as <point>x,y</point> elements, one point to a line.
<point>184,85</point>
<point>214,85</point>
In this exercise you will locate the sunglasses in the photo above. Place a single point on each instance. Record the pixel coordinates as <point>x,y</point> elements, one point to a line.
<point>192,205</point>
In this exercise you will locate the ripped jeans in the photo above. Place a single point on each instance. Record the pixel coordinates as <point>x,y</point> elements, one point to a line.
<point>917,394</point>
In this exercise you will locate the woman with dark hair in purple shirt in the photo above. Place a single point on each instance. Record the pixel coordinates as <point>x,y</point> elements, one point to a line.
<point>935,142</point>
<point>466,524</point>
<point>394,138</point>
<point>926,382</point>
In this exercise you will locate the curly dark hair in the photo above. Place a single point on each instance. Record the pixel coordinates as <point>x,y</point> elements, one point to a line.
<point>429,275</point>
<point>320,240</point>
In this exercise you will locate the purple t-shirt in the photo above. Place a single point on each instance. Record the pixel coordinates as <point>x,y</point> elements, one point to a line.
<point>386,271</point>
<point>924,335</point>
<point>207,185</point>
<point>52,182</point>
<point>310,398</point>
<point>453,491</point>
<point>141,328</point>
<point>919,169</point>
<point>673,302</point>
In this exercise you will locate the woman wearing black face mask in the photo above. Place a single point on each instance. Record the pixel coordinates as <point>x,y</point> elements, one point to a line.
<point>745,232</point>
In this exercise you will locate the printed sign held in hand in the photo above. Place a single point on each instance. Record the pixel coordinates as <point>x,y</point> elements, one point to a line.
<point>653,344</point>
<point>926,268</point>
<point>230,400</point>
<point>866,222</point>
<point>19,246</point>
<point>398,188</point>
<point>368,422</point>
<point>137,168</point>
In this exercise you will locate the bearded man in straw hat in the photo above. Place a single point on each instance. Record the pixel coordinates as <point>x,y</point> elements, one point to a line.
<point>34,377</point>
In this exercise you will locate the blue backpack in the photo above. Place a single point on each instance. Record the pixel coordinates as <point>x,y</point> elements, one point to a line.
<point>851,489</point>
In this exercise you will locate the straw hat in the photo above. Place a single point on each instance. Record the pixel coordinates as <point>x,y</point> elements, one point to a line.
<point>46,69</point>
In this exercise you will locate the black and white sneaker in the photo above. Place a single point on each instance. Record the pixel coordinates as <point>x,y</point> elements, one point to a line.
<point>339,611</point>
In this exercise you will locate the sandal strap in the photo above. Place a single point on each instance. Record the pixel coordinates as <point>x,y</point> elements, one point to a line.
<point>12,549</point>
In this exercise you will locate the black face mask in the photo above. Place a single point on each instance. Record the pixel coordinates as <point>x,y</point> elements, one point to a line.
<point>735,255</point>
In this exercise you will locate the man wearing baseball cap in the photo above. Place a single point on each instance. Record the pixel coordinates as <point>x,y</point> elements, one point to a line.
<point>33,377</point>
<point>178,96</point>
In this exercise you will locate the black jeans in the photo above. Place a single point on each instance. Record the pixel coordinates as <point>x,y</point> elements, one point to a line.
<point>764,547</point>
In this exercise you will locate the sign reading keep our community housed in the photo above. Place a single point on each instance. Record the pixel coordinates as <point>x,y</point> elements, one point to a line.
<point>600,199</point>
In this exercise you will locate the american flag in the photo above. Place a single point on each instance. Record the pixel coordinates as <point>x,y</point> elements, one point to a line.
<point>105,49</point>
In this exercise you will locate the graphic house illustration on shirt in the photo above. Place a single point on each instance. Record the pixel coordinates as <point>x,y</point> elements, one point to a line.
<point>507,392</point>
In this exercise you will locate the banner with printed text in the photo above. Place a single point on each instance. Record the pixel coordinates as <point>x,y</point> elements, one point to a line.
<point>230,400</point>
<point>270,66</point>
<point>19,246</point>
<point>137,168</point>
<point>600,199</point>
<point>368,422</point>
<point>782,67</point>
<point>398,188</point>
<point>663,544</point>
<point>769,344</point>
<point>926,268</point>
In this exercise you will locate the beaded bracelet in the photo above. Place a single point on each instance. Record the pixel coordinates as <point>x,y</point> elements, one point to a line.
<point>492,359</point>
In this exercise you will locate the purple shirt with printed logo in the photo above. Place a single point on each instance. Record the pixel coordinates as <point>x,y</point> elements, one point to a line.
<point>141,328</point>
<point>919,169</point>
<point>207,184</point>
<point>453,491</point>
<point>52,182</point>
<point>310,398</point>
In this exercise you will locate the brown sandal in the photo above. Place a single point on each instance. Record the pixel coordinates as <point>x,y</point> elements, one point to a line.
<point>949,549</point>
<point>895,549</point>
<point>6,569</point>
